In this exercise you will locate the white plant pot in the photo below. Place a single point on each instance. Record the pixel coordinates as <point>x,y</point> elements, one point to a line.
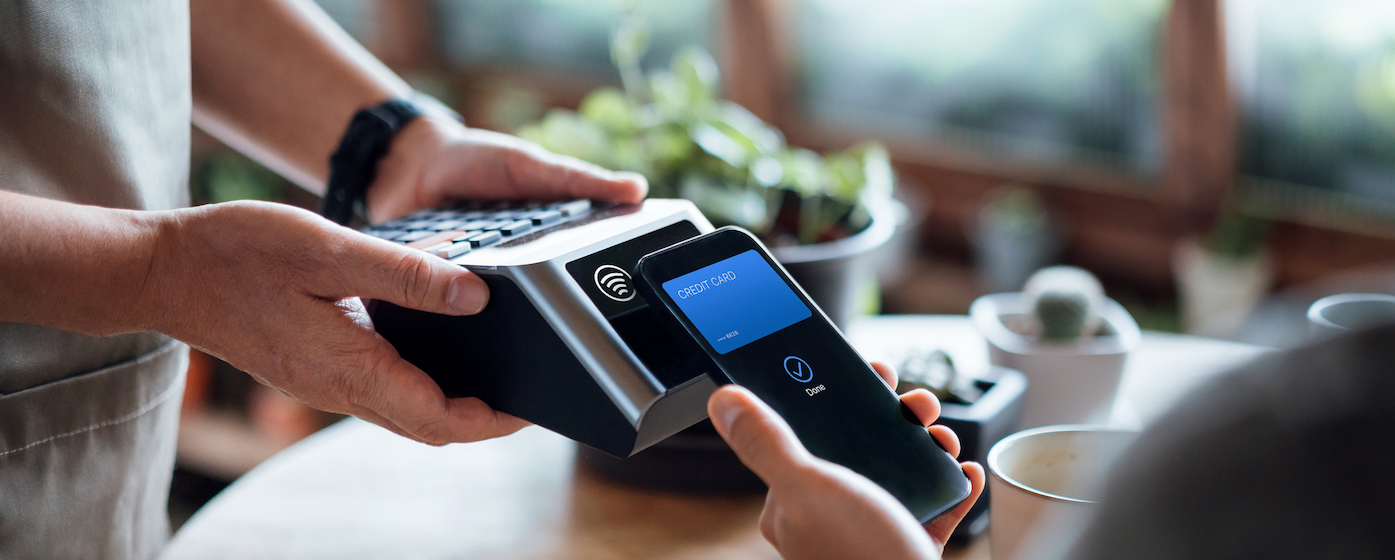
<point>1066,383</point>
<point>1217,293</point>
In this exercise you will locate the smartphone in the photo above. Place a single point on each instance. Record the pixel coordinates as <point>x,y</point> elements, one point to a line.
<point>764,333</point>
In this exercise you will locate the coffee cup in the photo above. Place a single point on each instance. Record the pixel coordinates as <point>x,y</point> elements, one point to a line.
<point>1050,476</point>
<point>1334,315</point>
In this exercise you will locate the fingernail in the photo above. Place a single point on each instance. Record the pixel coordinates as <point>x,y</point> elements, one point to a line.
<point>635,178</point>
<point>468,295</point>
<point>726,406</point>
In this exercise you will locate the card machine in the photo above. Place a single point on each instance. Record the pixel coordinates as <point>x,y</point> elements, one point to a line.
<point>566,341</point>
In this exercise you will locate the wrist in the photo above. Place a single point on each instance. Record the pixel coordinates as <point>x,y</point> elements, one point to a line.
<point>158,242</point>
<point>402,184</point>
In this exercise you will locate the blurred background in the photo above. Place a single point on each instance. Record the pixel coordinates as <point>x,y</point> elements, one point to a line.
<point>1186,152</point>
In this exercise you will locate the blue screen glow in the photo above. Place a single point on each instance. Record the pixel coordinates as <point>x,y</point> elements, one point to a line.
<point>736,301</point>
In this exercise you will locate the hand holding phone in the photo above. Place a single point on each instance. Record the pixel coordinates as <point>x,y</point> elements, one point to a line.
<point>816,509</point>
<point>763,333</point>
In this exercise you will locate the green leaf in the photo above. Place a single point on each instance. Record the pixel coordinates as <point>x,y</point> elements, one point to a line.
<point>763,137</point>
<point>722,144</point>
<point>609,108</point>
<point>845,176</point>
<point>696,69</point>
<point>724,204</point>
<point>877,170</point>
<point>767,171</point>
<point>565,132</point>
<point>670,96</point>
<point>804,171</point>
<point>629,42</point>
<point>668,146</point>
<point>627,154</point>
<point>533,133</point>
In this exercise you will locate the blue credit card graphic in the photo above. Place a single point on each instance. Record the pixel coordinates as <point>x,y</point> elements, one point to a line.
<point>736,301</point>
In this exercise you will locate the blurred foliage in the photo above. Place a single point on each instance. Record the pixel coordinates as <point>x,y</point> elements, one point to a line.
<point>1016,209</point>
<point>1237,236</point>
<point>226,175</point>
<point>1317,83</point>
<point>672,126</point>
<point>935,372</point>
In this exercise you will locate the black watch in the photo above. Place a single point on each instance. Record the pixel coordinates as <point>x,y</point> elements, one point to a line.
<point>354,166</point>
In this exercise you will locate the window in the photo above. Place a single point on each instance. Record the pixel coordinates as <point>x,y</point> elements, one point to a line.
<point>566,37</point>
<point>1059,81</point>
<point>1316,79</point>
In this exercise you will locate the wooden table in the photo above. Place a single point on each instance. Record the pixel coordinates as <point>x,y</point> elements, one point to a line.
<point>355,491</point>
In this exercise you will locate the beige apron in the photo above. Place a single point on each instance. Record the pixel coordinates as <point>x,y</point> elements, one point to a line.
<point>94,109</point>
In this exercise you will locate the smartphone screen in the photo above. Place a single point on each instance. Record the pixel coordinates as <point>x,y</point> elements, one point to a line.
<point>764,334</point>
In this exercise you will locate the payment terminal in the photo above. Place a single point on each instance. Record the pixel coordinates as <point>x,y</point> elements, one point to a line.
<point>566,341</point>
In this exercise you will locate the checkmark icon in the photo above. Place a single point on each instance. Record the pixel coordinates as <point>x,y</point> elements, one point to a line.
<point>799,369</point>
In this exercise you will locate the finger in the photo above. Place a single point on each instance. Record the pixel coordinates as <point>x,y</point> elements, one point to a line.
<point>538,173</point>
<point>887,373</point>
<point>949,441</point>
<point>942,528</point>
<point>407,398</point>
<point>377,269</point>
<point>924,404</point>
<point>370,416</point>
<point>760,438</point>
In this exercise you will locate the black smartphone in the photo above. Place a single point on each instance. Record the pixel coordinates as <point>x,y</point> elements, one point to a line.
<point>764,333</point>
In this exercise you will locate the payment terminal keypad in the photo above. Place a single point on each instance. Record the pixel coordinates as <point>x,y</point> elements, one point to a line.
<point>468,225</point>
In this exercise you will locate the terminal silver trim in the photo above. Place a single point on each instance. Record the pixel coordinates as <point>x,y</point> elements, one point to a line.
<point>541,273</point>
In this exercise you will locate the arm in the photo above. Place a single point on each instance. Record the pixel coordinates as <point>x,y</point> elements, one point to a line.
<point>278,80</point>
<point>77,268</point>
<point>270,288</point>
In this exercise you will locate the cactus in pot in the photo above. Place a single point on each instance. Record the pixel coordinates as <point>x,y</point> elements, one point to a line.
<point>1067,338</point>
<point>1064,303</point>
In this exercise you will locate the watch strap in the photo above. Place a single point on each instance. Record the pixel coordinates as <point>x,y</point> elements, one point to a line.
<point>354,165</point>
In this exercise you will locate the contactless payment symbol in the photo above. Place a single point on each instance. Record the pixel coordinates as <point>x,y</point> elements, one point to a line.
<point>799,369</point>
<point>614,282</point>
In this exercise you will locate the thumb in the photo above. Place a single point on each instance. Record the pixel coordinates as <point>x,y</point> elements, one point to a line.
<point>377,269</point>
<point>760,438</point>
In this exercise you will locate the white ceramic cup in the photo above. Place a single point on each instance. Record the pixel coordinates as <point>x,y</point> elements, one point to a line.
<point>1334,315</point>
<point>1047,476</point>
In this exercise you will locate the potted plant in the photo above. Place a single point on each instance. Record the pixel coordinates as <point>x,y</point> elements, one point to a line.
<point>981,409</point>
<point>825,218</point>
<point>1067,338</point>
<point>1222,278</point>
